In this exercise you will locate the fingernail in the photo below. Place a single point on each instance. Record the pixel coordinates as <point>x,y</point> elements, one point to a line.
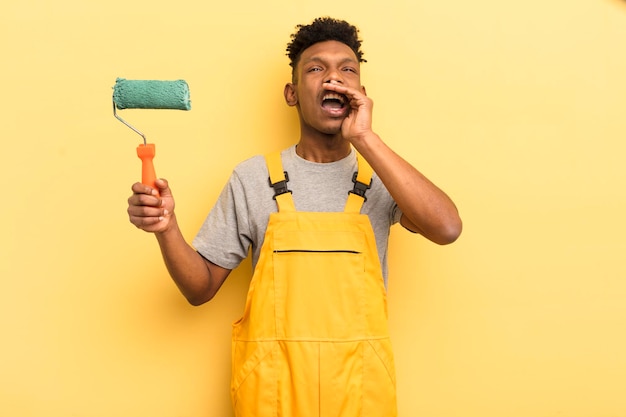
<point>166,212</point>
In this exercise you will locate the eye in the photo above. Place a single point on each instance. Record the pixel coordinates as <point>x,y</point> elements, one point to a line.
<point>314,69</point>
<point>350,69</point>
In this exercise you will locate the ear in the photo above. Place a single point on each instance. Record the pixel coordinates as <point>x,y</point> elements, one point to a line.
<point>363,90</point>
<point>291,96</point>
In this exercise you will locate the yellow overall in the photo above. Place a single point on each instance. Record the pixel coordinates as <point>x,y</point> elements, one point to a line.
<point>313,339</point>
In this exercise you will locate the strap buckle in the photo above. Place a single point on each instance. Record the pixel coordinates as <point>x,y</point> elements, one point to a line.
<point>359,187</point>
<point>280,187</point>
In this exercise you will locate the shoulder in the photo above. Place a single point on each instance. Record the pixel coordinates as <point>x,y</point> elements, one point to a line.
<point>252,164</point>
<point>250,172</point>
<point>255,167</point>
<point>257,163</point>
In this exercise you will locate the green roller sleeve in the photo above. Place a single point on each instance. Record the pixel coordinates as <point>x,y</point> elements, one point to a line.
<point>151,94</point>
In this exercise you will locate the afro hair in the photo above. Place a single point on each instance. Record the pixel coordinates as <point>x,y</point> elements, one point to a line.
<point>323,29</point>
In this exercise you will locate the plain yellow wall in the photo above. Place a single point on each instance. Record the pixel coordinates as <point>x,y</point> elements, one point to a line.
<point>516,109</point>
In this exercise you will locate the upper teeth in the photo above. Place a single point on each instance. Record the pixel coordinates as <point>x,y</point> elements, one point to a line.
<point>334,96</point>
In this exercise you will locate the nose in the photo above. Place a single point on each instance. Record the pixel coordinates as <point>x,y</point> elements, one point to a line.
<point>334,77</point>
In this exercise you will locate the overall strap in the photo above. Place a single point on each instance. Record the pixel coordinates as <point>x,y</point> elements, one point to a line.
<point>278,180</point>
<point>362,182</point>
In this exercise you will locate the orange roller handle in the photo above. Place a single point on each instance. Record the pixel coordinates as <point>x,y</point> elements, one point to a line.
<point>146,154</point>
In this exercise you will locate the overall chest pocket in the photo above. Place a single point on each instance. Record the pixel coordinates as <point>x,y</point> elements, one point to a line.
<point>319,284</point>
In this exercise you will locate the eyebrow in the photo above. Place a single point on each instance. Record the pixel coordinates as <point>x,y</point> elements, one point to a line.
<point>320,59</point>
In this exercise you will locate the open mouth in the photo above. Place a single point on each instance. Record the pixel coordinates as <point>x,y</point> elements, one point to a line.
<point>334,103</point>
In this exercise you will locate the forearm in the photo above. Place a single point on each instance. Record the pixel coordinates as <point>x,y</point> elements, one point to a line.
<point>187,268</point>
<point>426,208</point>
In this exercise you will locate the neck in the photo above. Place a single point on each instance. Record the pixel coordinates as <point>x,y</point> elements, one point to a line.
<point>323,151</point>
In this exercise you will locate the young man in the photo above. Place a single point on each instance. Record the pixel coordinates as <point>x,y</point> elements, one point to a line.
<point>313,338</point>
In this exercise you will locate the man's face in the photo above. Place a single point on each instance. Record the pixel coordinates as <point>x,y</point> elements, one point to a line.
<point>320,109</point>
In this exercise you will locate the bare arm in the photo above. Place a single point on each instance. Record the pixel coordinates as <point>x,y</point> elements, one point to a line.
<point>197,278</point>
<point>426,209</point>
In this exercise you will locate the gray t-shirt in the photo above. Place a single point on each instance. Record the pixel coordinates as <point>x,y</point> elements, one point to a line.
<point>239,218</point>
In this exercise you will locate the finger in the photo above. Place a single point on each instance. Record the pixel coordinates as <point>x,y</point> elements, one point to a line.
<point>145,222</point>
<point>146,211</point>
<point>140,200</point>
<point>348,91</point>
<point>163,187</point>
<point>139,188</point>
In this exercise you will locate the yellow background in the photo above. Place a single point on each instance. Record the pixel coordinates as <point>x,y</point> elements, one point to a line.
<point>516,109</point>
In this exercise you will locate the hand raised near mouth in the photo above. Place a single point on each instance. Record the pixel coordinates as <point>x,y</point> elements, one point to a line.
<point>358,123</point>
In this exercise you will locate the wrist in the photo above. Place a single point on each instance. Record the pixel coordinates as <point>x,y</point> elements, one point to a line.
<point>170,228</point>
<point>364,140</point>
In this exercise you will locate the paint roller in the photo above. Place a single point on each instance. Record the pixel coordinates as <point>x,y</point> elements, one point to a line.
<point>149,94</point>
